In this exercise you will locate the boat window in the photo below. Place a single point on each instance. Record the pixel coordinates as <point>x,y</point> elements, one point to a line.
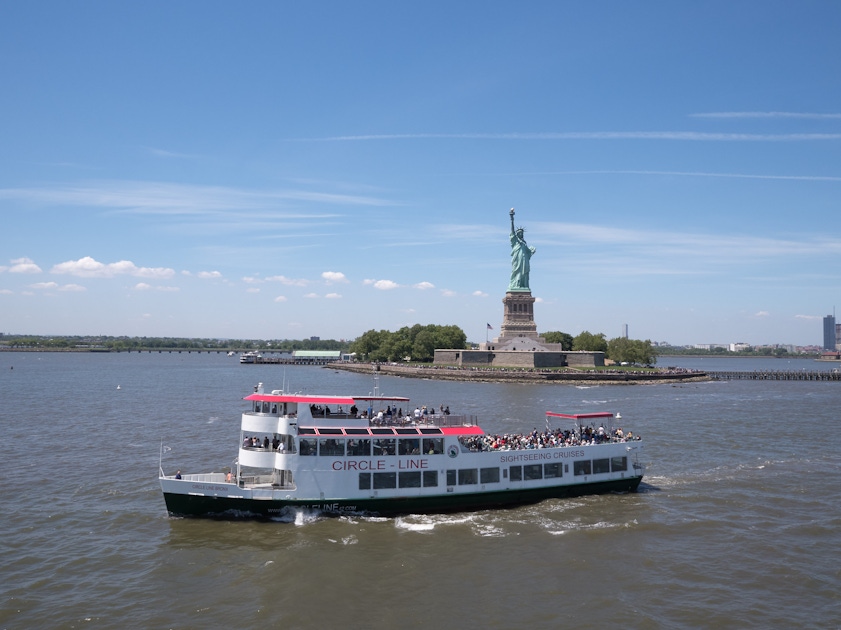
<point>618,463</point>
<point>409,447</point>
<point>409,480</point>
<point>356,431</point>
<point>430,478</point>
<point>435,431</point>
<point>433,446</point>
<point>382,431</point>
<point>489,475</point>
<point>329,431</point>
<point>601,466</point>
<point>468,476</point>
<point>359,448</point>
<point>331,446</point>
<point>257,406</point>
<point>364,481</point>
<point>533,471</point>
<point>266,407</point>
<point>551,471</point>
<point>308,446</point>
<point>274,409</point>
<point>451,477</point>
<point>385,480</point>
<point>305,431</point>
<point>582,467</point>
<point>515,473</point>
<point>384,447</point>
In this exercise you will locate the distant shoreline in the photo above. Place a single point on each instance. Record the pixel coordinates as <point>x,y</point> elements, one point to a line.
<point>514,375</point>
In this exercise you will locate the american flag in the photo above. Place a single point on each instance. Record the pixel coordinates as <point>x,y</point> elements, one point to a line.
<point>490,327</point>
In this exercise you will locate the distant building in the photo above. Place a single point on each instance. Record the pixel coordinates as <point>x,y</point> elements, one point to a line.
<point>830,333</point>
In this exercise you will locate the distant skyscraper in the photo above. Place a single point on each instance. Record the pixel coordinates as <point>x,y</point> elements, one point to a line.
<point>829,332</point>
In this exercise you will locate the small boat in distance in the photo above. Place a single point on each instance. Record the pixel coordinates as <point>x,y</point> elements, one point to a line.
<point>250,357</point>
<point>372,454</point>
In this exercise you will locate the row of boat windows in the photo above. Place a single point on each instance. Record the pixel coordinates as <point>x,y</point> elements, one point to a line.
<point>275,408</point>
<point>475,476</point>
<point>366,447</point>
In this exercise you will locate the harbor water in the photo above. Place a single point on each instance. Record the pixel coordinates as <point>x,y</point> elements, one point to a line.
<point>737,523</point>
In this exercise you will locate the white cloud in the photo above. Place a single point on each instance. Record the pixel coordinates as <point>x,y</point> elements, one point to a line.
<point>209,274</point>
<point>24,265</point>
<point>279,298</point>
<point>143,286</point>
<point>44,285</point>
<point>479,294</point>
<point>424,285</point>
<point>448,293</point>
<point>5,292</point>
<point>311,295</point>
<point>594,135</point>
<point>385,285</point>
<point>181,199</point>
<point>252,280</point>
<point>333,296</point>
<point>87,267</point>
<point>762,314</point>
<point>72,288</point>
<point>252,290</point>
<point>295,282</point>
<point>809,317</point>
<point>334,277</point>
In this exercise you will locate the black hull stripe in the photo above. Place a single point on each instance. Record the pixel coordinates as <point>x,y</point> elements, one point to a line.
<point>193,505</point>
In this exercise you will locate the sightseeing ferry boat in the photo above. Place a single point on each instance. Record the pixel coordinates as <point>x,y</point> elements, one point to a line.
<point>367,454</point>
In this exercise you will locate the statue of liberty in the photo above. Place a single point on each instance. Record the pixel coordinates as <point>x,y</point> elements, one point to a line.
<point>521,253</point>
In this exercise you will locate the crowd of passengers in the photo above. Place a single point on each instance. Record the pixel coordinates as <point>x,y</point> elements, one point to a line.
<point>255,442</point>
<point>387,416</point>
<point>546,439</point>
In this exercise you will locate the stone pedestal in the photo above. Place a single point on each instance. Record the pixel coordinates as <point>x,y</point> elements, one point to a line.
<point>518,317</point>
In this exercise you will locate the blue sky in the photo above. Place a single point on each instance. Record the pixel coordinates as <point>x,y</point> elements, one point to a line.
<point>288,169</point>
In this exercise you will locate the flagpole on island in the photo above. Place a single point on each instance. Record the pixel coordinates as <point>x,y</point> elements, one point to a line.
<point>489,327</point>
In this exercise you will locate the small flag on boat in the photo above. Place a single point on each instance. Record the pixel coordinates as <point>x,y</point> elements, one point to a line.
<point>490,327</point>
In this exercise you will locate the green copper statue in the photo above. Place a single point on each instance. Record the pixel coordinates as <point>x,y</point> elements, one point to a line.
<point>521,253</point>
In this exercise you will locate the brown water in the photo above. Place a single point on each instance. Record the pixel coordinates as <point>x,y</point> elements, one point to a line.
<point>737,524</point>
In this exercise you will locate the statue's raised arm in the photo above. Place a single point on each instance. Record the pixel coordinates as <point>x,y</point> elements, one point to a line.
<point>521,254</point>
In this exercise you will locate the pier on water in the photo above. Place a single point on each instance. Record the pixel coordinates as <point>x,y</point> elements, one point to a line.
<point>778,375</point>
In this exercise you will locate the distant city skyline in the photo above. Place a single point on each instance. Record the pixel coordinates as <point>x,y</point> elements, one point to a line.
<point>281,170</point>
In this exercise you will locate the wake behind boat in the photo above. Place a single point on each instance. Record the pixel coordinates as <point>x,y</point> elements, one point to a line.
<point>336,454</point>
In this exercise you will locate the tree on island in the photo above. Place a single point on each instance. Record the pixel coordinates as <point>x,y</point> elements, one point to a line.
<point>415,343</point>
<point>622,350</point>
<point>588,342</point>
<point>555,336</point>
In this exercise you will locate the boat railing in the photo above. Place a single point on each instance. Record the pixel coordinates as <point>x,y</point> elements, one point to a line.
<point>206,477</point>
